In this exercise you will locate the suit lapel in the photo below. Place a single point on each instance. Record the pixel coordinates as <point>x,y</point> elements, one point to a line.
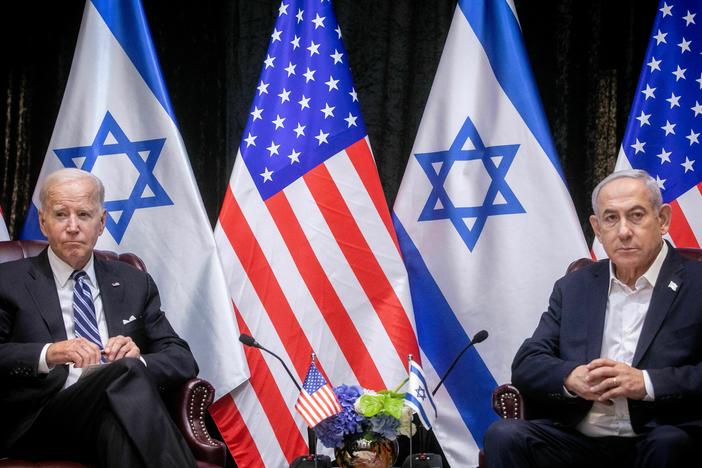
<point>42,289</point>
<point>596,316</point>
<point>669,282</point>
<point>112,293</point>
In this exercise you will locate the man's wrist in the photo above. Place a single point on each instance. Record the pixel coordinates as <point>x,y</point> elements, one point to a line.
<point>43,367</point>
<point>648,386</point>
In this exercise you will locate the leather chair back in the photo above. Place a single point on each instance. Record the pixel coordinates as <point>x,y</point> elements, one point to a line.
<point>17,249</point>
<point>693,254</point>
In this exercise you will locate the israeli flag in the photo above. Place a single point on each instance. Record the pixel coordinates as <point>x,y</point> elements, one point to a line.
<point>484,218</point>
<point>117,122</point>
<point>4,235</point>
<point>418,397</point>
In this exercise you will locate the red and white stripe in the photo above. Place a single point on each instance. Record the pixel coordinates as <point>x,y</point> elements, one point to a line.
<point>686,224</point>
<point>318,406</point>
<point>315,268</point>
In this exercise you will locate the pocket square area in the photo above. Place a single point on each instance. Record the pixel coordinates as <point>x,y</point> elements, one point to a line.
<point>130,319</point>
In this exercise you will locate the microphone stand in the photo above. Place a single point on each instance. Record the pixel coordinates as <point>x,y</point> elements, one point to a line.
<point>304,461</point>
<point>478,338</point>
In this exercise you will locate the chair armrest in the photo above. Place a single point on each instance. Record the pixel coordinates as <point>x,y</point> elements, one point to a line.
<point>188,406</point>
<point>508,402</point>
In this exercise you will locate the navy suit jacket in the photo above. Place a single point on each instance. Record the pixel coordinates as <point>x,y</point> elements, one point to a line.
<point>570,334</point>
<point>30,317</point>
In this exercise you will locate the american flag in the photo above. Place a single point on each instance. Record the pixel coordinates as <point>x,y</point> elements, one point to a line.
<point>306,241</point>
<point>317,400</point>
<point>663,135</point>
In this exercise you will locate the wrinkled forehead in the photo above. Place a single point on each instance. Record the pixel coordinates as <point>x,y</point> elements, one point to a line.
<point>624,194</point>
<point>73,193</point>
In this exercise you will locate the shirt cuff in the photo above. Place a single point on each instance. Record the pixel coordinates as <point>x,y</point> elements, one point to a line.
<point>568,394</point>
<point>650,394</point>
<point>144,361</point>
<point>43,367</point>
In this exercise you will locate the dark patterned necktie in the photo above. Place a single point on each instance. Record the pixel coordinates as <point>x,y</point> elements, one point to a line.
<point>84,309</point>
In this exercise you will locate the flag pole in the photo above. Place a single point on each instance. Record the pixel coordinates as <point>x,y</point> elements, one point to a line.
<point>409,369</point>
<point>311,435</point>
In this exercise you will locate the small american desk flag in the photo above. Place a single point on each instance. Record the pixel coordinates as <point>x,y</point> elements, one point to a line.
<point>317,400</point>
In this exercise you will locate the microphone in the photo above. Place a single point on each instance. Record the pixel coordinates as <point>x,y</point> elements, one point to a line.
<point>478,338</point>
<point>248,340</point>
<point>312,460</point>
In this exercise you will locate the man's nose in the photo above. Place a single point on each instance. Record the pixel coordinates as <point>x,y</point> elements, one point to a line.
<point>72,225</point>
<point>624,229</point>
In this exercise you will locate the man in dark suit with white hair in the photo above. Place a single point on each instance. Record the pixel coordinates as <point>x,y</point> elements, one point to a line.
<point>65,311</point>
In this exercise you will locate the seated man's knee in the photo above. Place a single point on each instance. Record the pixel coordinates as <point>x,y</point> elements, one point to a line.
<point>129,368</point>
<point>504,433</point>
<point>128,365</point>
<point>665,444</point>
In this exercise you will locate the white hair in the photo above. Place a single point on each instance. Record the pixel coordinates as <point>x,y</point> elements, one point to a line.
<point>650,183</point>
<point>67,175</point>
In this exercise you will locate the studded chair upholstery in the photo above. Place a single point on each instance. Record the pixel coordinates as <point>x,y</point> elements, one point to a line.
<point>187,405</point>
<point>507,402</point>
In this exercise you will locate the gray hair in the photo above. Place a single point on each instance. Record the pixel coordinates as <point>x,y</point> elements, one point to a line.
<point>70,174</point>
<point>651,185</point>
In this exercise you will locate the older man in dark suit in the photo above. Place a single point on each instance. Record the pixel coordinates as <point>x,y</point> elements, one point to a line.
<point>65,312</point>
<point>613,372</point>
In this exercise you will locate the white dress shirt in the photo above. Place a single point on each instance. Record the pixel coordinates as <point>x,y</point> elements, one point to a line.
<point>624,319</point>
<point>64,285</point>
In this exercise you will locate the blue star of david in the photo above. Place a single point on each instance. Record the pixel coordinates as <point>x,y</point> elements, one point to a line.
<point>495,159</point>
<point>151,149</point>
<point>420,393</point>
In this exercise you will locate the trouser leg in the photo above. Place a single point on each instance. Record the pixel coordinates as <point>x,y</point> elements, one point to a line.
<point>542,444</point>
<point>666,446</point>
<point>73,423</point>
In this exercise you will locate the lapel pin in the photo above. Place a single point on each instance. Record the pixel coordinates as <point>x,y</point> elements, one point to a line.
<point>115,284</point>
<point>672,285</point>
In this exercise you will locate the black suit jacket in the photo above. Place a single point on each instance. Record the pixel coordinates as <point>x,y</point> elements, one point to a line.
<point>30,317</point>
<point>570,334</point>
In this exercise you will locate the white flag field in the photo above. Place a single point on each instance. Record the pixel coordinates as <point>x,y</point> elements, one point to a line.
<point>4,235</point>
<point>484,219</point>
<point>116,121</point>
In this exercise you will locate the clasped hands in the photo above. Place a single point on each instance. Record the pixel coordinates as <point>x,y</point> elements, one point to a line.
<point>82,353</point>
<point>604,379</point>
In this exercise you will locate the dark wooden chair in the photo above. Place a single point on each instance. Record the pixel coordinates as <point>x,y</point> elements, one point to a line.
<point>507,402</point>
<point>188,405</point>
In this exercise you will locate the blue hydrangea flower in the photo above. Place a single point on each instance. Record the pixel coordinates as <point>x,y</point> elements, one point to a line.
<point>331,431</point>
<point>385,425</point>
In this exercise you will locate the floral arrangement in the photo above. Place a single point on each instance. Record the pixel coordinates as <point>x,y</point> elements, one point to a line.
<point>365,414</point>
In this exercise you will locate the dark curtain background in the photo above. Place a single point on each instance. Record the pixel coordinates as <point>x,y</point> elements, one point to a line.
<point>586,57</point>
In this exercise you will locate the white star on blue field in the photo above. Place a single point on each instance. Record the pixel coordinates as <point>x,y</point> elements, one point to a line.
<point>496,160</point>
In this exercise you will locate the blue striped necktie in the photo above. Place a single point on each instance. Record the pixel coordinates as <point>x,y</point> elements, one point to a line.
<point>84,309</point>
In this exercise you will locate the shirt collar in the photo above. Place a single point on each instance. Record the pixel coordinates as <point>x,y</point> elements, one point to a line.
<point>651,275</point>
<point>63,271</point>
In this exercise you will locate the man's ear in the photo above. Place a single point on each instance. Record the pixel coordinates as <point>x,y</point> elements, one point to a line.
<point>595,226</point>
<point>41,223</point>
<point>103,218</point>
<point>665,214</point>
